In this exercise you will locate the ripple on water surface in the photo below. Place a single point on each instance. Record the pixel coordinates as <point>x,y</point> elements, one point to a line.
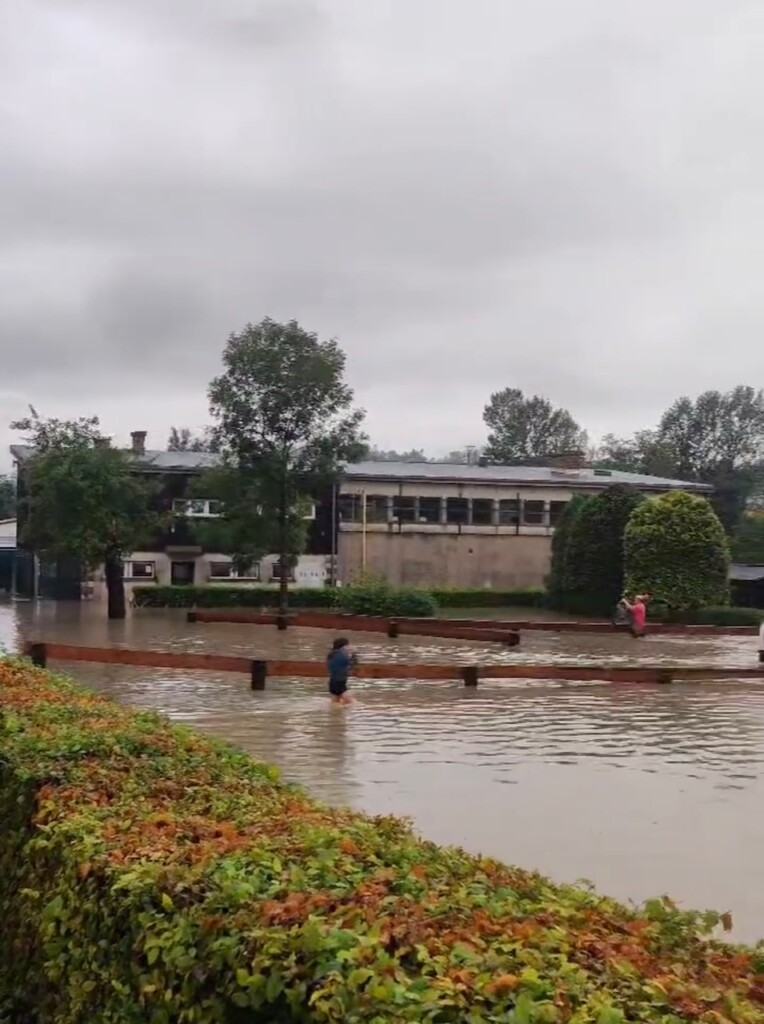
<point>644,790</point>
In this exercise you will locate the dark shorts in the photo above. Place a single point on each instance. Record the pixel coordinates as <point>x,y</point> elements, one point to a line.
<point>637,633</point>
<point>337,687</point>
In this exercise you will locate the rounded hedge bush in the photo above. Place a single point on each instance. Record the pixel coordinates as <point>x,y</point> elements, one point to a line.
<point>374,596</point>
<point>676,551</point>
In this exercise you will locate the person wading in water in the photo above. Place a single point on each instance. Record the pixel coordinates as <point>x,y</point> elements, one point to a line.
<point>340,660</point>
<point>637,613</point>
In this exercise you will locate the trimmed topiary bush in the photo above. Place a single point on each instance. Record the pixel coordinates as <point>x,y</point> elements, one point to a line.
<point>374,596</point>
<point>149,875</point>
<point>221,596</point>
<point>521,597</point>
<point>593,560</point>
<point>215,596</point>
<point>560,540</point>
<point>676,551</point>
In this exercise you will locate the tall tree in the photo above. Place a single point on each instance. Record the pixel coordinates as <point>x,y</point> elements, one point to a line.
<point>7,497</point>
<point>528,428</point>
<point>181,439</point>
<point>381,455</point>
<point>718,438</point>
<point>81,499</point>
<point>285,422</point>
<point>644,453</point>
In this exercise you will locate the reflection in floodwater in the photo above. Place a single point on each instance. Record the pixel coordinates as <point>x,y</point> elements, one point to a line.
<point>643,790</point>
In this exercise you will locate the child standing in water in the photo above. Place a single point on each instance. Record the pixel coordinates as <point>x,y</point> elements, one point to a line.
<point>340,660</point>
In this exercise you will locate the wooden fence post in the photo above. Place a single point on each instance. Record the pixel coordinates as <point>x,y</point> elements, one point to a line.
<point>470,675</point>
<point>393,630</point>
<point>191,617</point>
<point>38,655</point>
<point>282,621</point>
<point>259,674</point>
<point>665,677</point>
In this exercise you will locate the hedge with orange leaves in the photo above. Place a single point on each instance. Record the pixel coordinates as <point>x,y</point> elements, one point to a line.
<point>148,874</point>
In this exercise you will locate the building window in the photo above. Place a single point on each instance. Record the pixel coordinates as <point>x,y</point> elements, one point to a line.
<point>276,572</point>
<point>139,570</point>
<point>533,513</point>
<point>556,509</point>
<point>197,508</point>
<point>429,510</point>
<point>482,512</point>
<point>376,508</point>
<point>457,511</point>
<point>226,571</point>
<point>509,512</point>
<point>404,509</point>
<point>349,508</point>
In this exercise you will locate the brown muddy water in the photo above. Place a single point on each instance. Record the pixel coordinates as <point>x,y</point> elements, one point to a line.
<point>642,790</point>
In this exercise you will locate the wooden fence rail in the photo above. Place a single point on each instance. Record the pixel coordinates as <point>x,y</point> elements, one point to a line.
<point>259,670</point>
<point>493,630</point>
<point>438,628</point>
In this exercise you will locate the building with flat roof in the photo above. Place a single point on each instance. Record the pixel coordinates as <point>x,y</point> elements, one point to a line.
<point>418,524</point>
<point>473,525</point>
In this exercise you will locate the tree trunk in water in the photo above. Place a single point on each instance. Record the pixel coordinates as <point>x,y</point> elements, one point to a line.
<point>115,587</point>
<point>281,618</point>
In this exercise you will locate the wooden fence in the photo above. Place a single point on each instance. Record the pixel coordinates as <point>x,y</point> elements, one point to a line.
<point>438,628</point>
<point>495,630</point>
<point>259,670</point>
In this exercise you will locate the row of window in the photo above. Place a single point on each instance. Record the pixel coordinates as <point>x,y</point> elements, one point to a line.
<point>382,508</point>
<point>208,508</point>
<point>146,571</point>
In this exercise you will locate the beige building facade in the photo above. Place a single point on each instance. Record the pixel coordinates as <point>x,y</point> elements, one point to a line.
<point>441,525</point>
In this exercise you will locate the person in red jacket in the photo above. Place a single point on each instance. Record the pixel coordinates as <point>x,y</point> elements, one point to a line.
<point>637,614</point>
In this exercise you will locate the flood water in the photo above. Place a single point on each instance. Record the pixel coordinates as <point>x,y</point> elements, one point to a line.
<point>642,790</point>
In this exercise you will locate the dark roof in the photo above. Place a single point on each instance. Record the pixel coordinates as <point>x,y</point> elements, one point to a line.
<point>444,472</point>
<point>152,460</point>
<point>541,476</point>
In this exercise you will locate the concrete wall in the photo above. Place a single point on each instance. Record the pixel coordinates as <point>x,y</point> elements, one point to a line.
<point>498,560</point>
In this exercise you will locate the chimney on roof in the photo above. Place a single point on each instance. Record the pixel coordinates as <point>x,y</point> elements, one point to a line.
<point>567,460</point>
<point>139,442</point>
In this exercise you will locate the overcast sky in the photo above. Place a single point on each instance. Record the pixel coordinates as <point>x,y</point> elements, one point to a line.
<point>562,197</point>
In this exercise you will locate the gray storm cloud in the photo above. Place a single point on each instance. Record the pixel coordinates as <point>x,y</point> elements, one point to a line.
<point>563,198</point>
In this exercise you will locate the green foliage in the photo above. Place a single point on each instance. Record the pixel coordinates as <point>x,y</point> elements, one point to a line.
<point>149,875</point>
<point>482,597</point>
<point>593,557</point>
<point>748,541</point>
<point>720,616</point>
<point>374,596</point>
<point>221,596</point>
<point>247,528</point>
<point>285,425</point>
<point>181,439</point>
<point>716,438</point>
<point>7,497</point>
<point>556,582</point>
<point>528,428</point>
<point>82,500</point>
<point>677,552</point>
